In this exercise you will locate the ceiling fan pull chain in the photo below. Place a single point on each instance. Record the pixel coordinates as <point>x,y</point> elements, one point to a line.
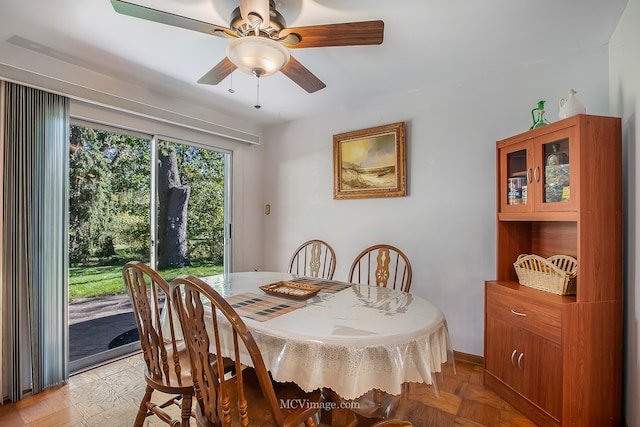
<point>257,93</point>
<point>231,83</point>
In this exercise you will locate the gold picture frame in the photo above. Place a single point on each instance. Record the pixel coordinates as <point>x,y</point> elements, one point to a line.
<point>370,163</point>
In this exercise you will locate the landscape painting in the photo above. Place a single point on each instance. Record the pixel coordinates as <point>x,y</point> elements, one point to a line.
<point>370,163</point>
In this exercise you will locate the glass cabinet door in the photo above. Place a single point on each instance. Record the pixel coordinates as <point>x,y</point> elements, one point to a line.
<point>515,176</point>
<point>557,185</point>
<point>552,173</point>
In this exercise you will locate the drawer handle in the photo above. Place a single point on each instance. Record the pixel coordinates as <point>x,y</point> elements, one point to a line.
<point>517,313</point>
<point>520,360</point>
<point>513,362</point>
<point>536,173</point>
<point>529,176</point>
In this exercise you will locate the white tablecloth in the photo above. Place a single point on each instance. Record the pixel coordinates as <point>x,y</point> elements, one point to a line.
<point>352,341</point>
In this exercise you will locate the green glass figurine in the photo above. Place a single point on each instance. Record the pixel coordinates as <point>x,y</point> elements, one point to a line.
<point>540,120</point>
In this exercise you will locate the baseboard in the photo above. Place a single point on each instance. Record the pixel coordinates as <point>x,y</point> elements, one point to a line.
<point>468,358</point>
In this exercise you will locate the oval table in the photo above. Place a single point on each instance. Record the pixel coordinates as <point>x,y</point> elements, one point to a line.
<point>350,338</point>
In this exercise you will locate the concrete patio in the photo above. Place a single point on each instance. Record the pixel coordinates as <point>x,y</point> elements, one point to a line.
<point>95,322</point>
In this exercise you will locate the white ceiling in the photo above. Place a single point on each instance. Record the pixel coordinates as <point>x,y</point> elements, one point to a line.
<point>426,43</point>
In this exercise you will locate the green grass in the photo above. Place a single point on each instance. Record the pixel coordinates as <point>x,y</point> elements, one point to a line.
<point>100,280</point>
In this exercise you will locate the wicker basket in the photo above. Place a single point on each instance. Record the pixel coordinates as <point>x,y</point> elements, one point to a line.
<point>556,274</point>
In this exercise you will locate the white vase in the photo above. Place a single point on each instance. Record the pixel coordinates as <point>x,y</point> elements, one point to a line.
<point>570,106</point>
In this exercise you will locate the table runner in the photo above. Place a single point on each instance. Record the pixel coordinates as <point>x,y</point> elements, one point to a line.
<point>328,286</point>
<point>262,307</point>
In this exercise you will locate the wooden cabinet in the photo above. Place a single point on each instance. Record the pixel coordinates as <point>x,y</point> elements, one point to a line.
<point>558,359</point>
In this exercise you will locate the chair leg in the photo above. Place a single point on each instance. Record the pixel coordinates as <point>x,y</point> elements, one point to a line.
<point>310,422</point>
<point>186,410</point>
<point>142,411</point>
<point>377,397</point>
<point>405,390</point>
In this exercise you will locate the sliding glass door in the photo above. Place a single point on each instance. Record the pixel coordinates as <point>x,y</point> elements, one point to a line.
<point>172,216</point>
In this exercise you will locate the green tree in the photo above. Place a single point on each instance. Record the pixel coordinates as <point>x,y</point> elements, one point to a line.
<point>131,171</point>
<point>106,180</point>
<point>89,208</point>
<point>173,199</point>
<point>203,170</point>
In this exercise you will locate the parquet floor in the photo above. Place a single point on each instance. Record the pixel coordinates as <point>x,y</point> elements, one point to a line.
<point>108,396</point>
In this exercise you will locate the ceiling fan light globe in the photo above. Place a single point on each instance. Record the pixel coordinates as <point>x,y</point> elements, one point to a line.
<point>257,53</point>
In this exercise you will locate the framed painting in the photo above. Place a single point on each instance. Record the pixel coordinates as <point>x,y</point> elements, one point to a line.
<point>369,163</point>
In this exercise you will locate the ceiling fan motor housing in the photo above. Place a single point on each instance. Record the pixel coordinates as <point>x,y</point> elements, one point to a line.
<point>243,28</point>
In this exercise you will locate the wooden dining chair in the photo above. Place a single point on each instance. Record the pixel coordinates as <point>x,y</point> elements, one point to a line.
<point>314,258</point>
<point>167,361</point>
<point>382,265</point>
<point>258,400</point>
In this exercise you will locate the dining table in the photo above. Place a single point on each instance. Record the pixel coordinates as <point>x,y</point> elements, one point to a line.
<point>349,338</point>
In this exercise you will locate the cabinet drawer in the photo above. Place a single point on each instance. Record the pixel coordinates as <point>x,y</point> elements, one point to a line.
<point>524,311</point>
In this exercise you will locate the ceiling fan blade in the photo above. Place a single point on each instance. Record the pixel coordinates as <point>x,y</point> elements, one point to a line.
<point>301,76</point>
<point>346,34</point>
<point>155,15</point>
<point>218,73</point>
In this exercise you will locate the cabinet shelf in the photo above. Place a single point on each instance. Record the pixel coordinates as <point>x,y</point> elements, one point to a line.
<point>538,216</point>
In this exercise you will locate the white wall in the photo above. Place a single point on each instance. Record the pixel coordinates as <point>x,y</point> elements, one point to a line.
<point>446,224</point>
<point>624,69</point>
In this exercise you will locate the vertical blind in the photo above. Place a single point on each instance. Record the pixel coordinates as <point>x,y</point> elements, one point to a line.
<point>34,239</point>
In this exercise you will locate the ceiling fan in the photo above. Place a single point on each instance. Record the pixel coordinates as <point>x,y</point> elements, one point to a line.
<point>261,39</point>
